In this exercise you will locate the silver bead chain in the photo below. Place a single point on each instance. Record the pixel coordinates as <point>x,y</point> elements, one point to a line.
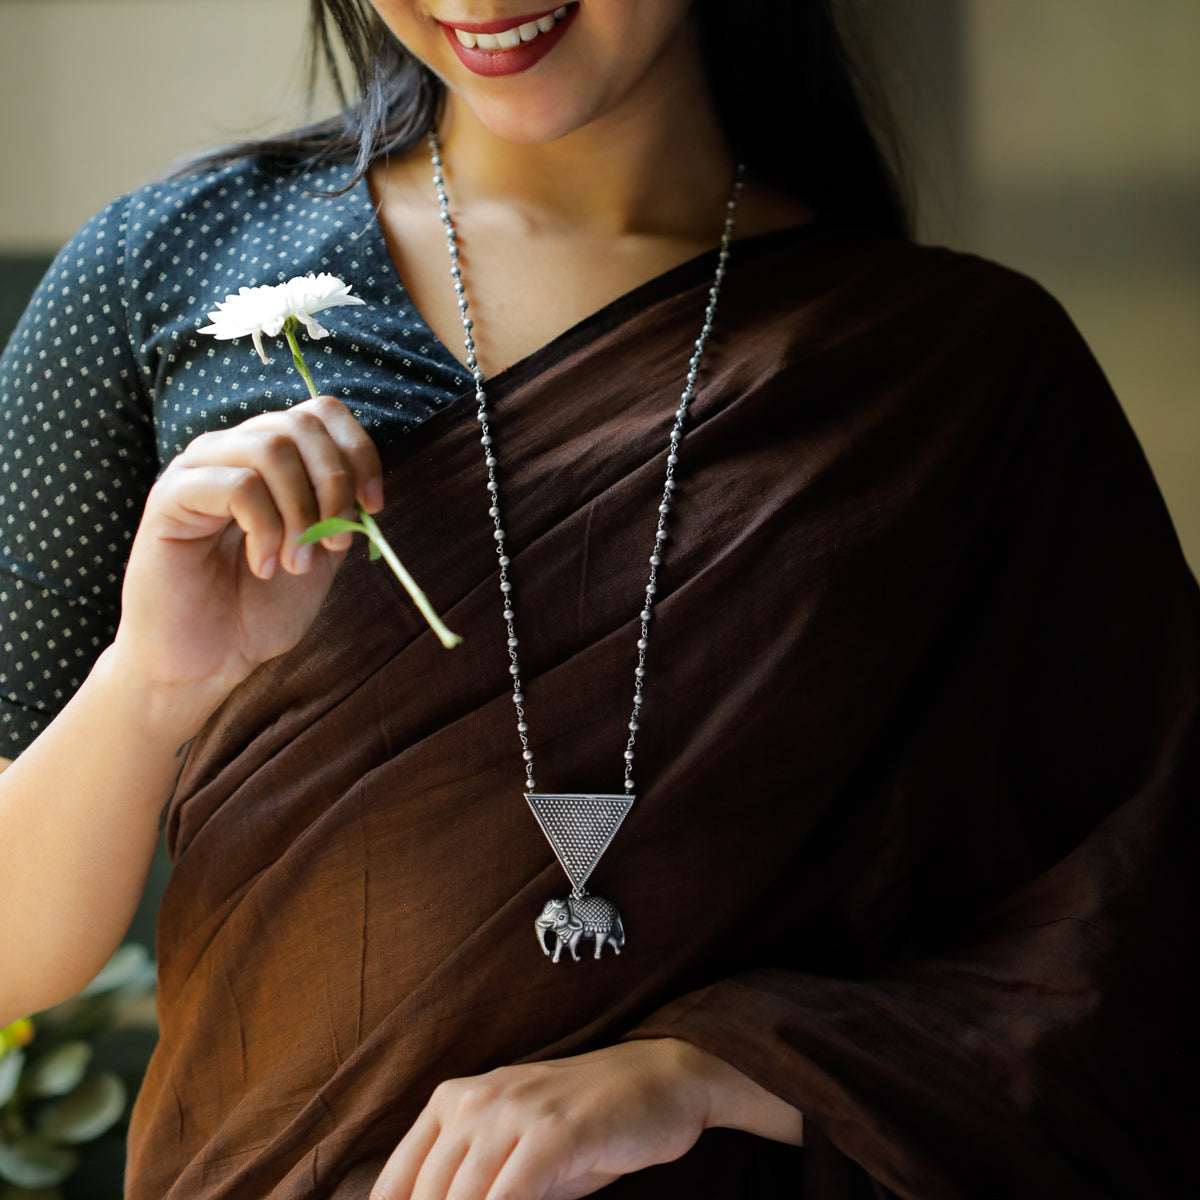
<point>493,487</point>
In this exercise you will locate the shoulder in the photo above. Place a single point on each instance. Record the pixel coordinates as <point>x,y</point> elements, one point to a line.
<point>883,306</point>
<point>190,219</point>
<point>893,279</point>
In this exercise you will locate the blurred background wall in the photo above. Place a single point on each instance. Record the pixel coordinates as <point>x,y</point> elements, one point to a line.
<point>1059,136</point>
<point>1062,137</point>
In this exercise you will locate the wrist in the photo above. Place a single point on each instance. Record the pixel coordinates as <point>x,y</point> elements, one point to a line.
<point>730,1099</point>
<point>163,712</point>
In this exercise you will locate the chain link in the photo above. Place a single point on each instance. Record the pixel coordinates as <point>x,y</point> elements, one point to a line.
<point>493,486</point>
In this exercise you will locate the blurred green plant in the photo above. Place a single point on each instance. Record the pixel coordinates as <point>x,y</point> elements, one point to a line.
<point>67,1080</point>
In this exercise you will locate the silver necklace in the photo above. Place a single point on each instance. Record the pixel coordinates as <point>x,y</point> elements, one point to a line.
<point>579,826</point>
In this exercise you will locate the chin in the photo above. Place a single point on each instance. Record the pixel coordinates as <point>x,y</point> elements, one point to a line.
<point>531,122</point>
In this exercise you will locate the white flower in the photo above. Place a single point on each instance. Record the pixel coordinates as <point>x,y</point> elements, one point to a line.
<point>265,310</point>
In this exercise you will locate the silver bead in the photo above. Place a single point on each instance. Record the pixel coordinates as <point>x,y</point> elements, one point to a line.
<point>676,436</point>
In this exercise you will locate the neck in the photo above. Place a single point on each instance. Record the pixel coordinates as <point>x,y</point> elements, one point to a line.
<point>658,165</point>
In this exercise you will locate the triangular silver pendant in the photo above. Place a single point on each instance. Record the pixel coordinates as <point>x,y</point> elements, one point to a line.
<point>579,829</point>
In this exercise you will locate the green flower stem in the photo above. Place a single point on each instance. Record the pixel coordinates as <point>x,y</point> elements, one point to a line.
<point>289,330</point>
<point>445,636</point>
<point>368,526</point>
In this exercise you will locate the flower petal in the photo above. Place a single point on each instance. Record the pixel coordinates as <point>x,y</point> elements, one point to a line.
<point>313,327</point>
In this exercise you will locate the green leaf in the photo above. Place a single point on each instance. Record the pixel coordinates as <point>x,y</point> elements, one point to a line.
<point>330,528</point>
<point>373,550</point>
<point>90,1110</point>
<point>10,1074</point>
<point>124,967</point>
<point>59,1071</point>
<point>35,1163</point>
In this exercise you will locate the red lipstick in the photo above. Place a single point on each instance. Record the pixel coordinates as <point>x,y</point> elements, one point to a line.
<point>519,58</point>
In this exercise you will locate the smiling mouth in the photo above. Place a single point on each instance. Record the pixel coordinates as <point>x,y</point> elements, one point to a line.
<point>512,36</point>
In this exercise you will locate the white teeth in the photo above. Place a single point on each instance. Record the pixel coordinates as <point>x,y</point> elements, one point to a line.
<point>510,38</point>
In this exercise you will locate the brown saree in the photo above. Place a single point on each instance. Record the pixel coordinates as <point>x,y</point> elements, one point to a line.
<point>918,764</point>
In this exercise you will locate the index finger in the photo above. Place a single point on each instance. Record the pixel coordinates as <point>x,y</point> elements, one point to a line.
<point>356,444</point>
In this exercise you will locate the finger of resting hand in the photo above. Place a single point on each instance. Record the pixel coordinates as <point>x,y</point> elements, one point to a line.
<point>530,1171</point>
<point>477,1171</point>
<point>400,1172</point>
<point>204,499</point>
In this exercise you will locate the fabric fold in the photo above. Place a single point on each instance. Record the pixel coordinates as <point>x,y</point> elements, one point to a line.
<point>917,764</point>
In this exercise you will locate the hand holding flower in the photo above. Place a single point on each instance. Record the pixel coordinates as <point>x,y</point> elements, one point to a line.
<point>282,308</point>
<point>218,581</point>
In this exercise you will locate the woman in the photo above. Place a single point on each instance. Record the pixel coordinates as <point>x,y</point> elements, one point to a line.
<point>913,761</point>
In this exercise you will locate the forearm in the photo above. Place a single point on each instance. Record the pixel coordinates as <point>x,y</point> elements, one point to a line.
<point>79,821</point>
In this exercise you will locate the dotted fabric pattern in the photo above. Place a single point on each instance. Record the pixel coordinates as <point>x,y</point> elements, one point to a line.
<point>106,379</point>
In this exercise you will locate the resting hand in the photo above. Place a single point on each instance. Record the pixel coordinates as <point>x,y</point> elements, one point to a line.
<point>565,1128</point>
<point>216,583</point>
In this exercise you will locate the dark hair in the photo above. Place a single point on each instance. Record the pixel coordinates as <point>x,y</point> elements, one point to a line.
<point>811,121</point>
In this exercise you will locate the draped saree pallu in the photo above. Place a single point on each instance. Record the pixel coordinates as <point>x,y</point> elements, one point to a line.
<point>917,763</point>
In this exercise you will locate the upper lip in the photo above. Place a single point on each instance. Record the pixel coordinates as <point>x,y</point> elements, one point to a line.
<point>501,23</point>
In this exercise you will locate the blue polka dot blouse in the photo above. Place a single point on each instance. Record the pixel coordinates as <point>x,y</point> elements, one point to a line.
<point>106,379</point>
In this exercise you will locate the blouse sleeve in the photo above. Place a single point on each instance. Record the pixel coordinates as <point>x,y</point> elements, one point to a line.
<point>76,461</point>
<point>1045,1046</point>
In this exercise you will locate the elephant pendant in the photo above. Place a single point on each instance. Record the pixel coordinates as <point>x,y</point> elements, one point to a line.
<point>569,920</point>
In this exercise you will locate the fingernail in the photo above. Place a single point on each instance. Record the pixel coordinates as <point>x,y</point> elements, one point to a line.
<point>374,491</point>
<point>341,541</point>
<point>302,560</point>
<point>267,570</point>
